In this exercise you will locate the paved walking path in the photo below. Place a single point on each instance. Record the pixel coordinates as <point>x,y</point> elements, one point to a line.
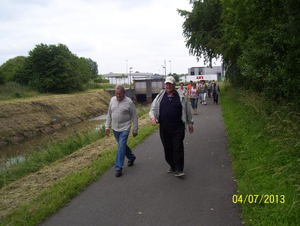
<point>147,195</point>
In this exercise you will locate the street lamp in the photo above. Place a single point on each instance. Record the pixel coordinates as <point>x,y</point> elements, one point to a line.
<point>170,67</point>
<point>130,76</point>
<point>164,69</point>
<point>127,67</point>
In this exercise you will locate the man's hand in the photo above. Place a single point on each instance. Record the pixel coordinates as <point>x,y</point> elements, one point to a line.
<point>191,130</point>
<point>134,134</point>
<point>107,132</point>
<point>154,121</point>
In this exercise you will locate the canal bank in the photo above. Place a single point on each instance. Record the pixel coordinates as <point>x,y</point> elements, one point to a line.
<point>15,151</point>
<point>29,124</point>
<point>29,117</point>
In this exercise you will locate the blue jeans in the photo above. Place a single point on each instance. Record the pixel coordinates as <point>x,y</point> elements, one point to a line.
<point>194,102</point>
<point>123,149</point>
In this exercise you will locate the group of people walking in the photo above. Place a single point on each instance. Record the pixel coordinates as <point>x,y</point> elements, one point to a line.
<point>170,108</point>
<point>200,90</point>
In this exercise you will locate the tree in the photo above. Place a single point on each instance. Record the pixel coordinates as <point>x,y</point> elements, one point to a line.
<point>53,69</point>
<point>266,34</point>
<point>9,68</point>
<point>123,76</point>
<point>258,41</point>
<point>100,79</point>
<point>201,29</point>
<point>1,78</point>
<point>93,67</point>
<point>176,77</point>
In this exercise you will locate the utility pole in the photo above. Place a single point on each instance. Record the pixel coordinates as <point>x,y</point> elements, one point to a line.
<point>165,69</point>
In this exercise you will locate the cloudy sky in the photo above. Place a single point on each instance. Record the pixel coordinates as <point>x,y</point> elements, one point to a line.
<point>117,34</point>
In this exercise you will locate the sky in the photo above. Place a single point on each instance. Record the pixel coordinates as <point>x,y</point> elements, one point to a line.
<point>117,34</point>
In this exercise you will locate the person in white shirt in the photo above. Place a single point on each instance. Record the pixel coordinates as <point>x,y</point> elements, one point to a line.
<point>182,89</point>
<point>121,111</point>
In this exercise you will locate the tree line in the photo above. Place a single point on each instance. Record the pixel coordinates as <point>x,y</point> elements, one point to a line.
<point>50,69</point>
<point>258,41</point>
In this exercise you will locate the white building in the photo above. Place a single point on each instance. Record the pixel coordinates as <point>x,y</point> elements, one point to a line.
<point>122,78</point>
<point>203,73</point>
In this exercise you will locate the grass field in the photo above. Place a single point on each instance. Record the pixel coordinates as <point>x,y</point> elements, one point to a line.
<point>264,147</point>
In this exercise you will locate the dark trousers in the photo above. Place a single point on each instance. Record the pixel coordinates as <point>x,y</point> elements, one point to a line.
<point>172,137</point>
<point>216,97</point>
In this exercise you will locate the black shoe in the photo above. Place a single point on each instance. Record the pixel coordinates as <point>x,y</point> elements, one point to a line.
<point>130,163</point>
<point>179,173</point>
<point>171,170</point>
<point>118,173</point>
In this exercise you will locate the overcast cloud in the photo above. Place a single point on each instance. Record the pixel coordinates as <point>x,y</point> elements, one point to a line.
<point>144,32</point>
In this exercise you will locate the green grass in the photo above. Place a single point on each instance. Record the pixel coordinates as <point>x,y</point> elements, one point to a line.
<point>53,151</point>
<point>13,90</point>
<point>264,147</point>
<point>60,192</point>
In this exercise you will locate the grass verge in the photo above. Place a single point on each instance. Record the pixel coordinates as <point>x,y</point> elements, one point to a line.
<point>61,191</point>
<point>51,152</point>
<point>264,147</point>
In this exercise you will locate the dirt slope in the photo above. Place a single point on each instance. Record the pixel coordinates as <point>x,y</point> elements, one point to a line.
<point>26,117</point>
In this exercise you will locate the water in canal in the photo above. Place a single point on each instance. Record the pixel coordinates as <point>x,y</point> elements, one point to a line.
<point>28,145</point>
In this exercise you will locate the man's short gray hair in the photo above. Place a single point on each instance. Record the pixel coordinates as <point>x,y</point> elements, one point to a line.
<point>120,87</point>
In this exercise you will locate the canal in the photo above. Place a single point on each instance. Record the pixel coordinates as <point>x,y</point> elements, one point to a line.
<point>28,145</point>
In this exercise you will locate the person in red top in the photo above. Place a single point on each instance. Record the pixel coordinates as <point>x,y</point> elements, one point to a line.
<point>190,85</point>
<point>189,88</point>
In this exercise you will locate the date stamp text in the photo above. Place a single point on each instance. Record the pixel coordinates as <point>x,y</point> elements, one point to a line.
<point>264,198</point>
